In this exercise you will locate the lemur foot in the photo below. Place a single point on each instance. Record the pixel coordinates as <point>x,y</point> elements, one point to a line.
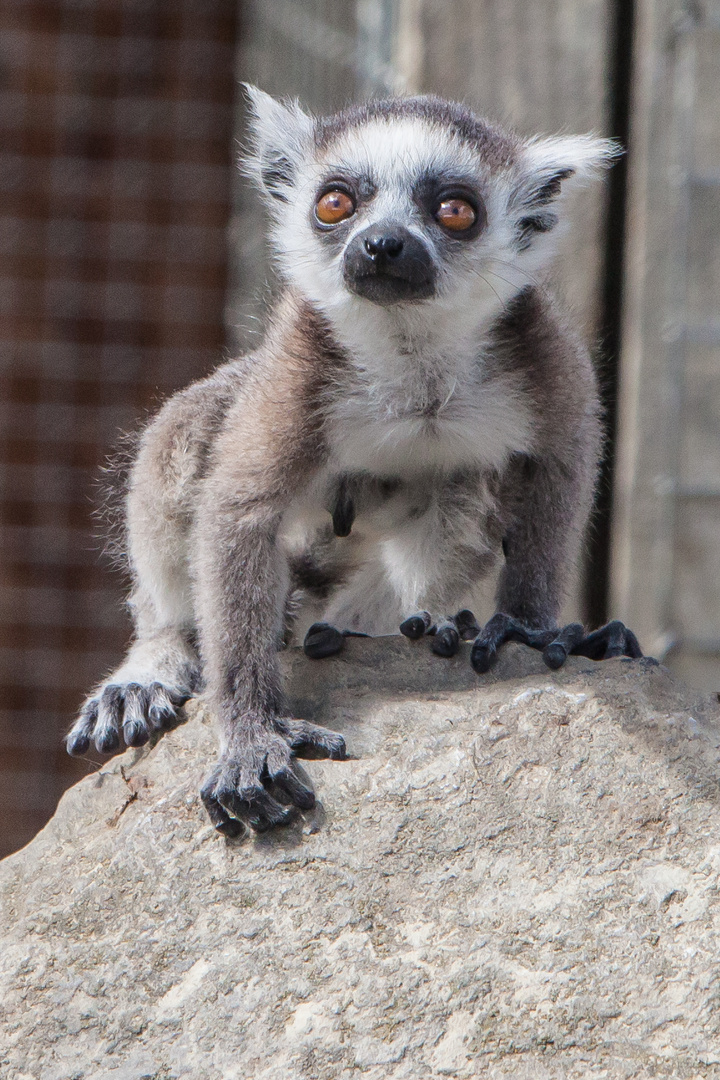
<point>556,644</point>
<point>323,639</point>
<point>446,633</point>
<point>258,786</point>
<point>128,712</point>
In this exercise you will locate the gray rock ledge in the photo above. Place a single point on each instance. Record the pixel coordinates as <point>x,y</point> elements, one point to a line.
<point>516,876</point>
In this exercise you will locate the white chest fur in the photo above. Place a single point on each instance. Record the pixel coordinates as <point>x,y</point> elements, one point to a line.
<point>428,426</point>
<point>423,396</point>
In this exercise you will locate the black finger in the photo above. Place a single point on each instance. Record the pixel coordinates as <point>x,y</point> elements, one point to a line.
<point>322,640</point>
<point>176,695</point>
<point>467,625</point>
<point>77,741</point>
<point>615,639</point>
<point>484,650</point>
<point>482,656</point>
<point>289,785</point>
<point>500,629</point>
<point>604,643</point>
<point>556,653</point>
<point>163,703</point>
<point>632,645</point>
<point>107,736</point>
<point>417,625</point>
<point>220,818</point>
<point>135,730</point>
<point>255,806</point>
<point>308,741</point>
<point>135,734</point>
<point>447,640</point>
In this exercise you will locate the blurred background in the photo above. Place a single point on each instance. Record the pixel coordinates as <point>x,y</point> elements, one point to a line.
<point>132,261</point>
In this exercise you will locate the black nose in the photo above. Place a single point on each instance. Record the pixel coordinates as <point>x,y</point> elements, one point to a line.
<point>378,245</point>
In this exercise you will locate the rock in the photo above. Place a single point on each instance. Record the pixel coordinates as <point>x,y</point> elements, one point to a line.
<point>516,876</point>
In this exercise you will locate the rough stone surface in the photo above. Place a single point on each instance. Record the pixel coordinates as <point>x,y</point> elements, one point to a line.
<point>516,876</point>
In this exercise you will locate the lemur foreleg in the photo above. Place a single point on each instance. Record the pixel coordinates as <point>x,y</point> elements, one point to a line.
<point>242,586</point>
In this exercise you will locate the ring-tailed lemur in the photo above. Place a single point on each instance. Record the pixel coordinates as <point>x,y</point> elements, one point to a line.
<point>418,413</point>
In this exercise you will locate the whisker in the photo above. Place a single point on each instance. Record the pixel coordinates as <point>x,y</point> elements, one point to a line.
<point>491,286</point>
<point>519,270</point>
<point>507,281</point>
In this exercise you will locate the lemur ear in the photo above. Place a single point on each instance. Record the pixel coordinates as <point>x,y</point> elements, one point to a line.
<point>281,134</point>
<point>548,162</point>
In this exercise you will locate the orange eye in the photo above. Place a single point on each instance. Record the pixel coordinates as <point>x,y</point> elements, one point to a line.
<point>456,214</point>
<point>333,207</point>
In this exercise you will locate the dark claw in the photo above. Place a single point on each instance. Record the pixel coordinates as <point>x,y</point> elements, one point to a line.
<point>498,630</point>
<point>482,656</point>
<point>135,733</point>
<point>77,741</point>
<point>136,701</point>
<point>219,817</point>
<point>609,641</point>
<point>323,640</point>
<point>108,742</point>
<point>556,653</point>
<point>77,744</point>
<point>256,807</point>
<point>110,709</point>
<point>495,633</point>
<point>417,625</point>
<point>229,826</point>
<point>161,717</point>
<point>165,702</point>
<point>632,646</point>
<point>447,640</point>
<point>467,625</point>
<point>289,786</point>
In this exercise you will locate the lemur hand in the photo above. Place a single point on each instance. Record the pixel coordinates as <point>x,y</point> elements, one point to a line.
<point>255,783</point>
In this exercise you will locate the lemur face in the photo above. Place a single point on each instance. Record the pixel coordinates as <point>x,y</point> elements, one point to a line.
<point>409,201</point>
<point>397,211</point>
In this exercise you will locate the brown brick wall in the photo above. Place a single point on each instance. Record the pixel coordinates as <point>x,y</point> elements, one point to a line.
<point>115,143</point>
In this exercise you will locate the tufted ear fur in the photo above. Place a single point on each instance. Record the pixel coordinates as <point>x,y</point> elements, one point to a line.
<point>281,136</point>
<point>547,163</point>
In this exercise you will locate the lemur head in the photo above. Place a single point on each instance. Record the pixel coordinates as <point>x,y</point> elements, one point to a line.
<point>409,201</point>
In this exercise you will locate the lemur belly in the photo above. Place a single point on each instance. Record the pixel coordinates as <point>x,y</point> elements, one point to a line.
<point>413,544</point>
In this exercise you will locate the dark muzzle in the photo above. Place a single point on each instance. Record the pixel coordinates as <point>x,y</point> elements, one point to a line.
<point>385,263</point>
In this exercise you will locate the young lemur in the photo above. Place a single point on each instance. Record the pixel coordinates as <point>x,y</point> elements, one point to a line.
<point>418,413</point>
